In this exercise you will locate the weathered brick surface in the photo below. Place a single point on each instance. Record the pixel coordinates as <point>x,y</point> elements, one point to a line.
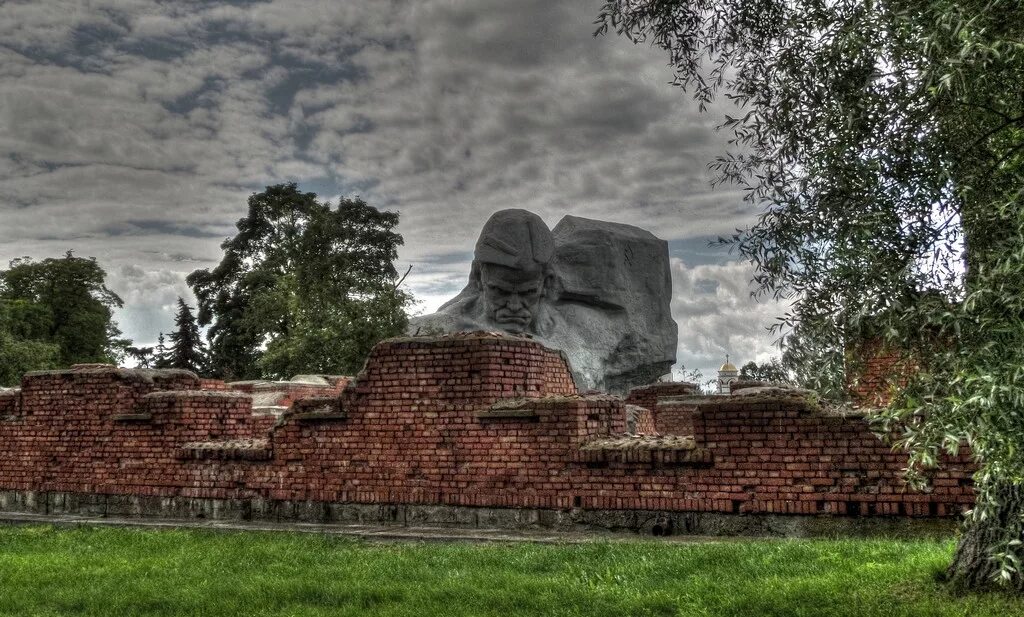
<point>648,396</point>
<point>875,370</point>
<point>675,415</point>
<point>779,455</point>
<point>212,384</point>
<point>272,398</point>
<point>640,420</point>
<point>468,420</point>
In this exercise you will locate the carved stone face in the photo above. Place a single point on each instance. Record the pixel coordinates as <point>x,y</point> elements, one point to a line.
<point>511,296</point>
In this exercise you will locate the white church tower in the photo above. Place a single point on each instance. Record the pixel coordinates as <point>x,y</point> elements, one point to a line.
<point>726,375</point>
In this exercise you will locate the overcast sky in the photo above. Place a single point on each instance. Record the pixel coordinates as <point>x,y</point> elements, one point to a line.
<point>134,131</point>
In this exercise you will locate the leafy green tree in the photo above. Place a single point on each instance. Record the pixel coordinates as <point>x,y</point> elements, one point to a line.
<point>63,302</point>
<point>816,356</point>
<point>19,355</point>
<point>187,351</point>
<point>303,287</point>
<point>882,142</point>
<point>773,371</point>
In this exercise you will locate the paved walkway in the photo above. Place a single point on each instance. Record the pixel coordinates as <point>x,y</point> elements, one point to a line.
<point>375,533</point>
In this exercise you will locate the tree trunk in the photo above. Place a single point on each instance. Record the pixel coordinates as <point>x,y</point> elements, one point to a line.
<point>973,567</point>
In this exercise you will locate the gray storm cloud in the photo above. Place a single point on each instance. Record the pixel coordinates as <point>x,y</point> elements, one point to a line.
<point>134,133</point>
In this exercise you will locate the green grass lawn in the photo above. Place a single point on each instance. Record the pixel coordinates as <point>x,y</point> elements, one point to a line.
<point>109,572</point>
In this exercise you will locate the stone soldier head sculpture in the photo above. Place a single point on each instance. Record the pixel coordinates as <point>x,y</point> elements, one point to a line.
<point>596,290</point>
<point>512,269</point>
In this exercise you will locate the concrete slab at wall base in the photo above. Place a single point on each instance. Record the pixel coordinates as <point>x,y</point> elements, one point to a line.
<point>597,522</point>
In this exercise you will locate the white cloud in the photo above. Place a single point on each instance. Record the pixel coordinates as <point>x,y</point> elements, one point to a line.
<point>717,316</point>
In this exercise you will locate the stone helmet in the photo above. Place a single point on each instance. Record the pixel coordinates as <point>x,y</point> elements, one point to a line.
<point>516,239</point>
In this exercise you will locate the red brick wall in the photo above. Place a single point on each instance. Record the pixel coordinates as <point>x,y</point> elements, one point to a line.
<point>212,384</point>
<point>779,455</point>
<point>640,420</point>
<point>874,370</point>
<point>675,416</point>
<point>282,394</point>
<point>469,420</point>
<point>647,396</point>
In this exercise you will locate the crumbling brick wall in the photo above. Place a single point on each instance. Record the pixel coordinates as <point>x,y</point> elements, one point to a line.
<point>675,415</point>
<point>473,420</point>
<point>779,452</point>
<point>874,370</point>
<point>647,396</point>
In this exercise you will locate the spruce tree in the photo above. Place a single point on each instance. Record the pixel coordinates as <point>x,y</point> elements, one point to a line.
<point>161,358</point>
<point>186,344</point>
<point>144,356</point>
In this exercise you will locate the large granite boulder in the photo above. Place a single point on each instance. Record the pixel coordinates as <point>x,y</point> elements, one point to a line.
<point>598,291</point>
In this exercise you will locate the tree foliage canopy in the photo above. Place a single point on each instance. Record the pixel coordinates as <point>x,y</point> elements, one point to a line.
<point>56,312</point>
<point>19,356</point>
<point>302,288</point>
<point>882,142</point>
<point>772,371</point>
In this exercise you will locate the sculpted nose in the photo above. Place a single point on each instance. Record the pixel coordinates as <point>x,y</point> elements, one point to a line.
<point>514,302</point>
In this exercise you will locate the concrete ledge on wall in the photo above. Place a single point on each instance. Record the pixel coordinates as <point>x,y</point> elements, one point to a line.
<point>316,416</point>
<point>133,417</point>
<point>194,395</point>
<point>316,409</point>
<point>510,408</point>
<point>662,450</point>
<point>162,377</point>
<point>235,449</point>
<point>534,407</point>
<point>749,400</point>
